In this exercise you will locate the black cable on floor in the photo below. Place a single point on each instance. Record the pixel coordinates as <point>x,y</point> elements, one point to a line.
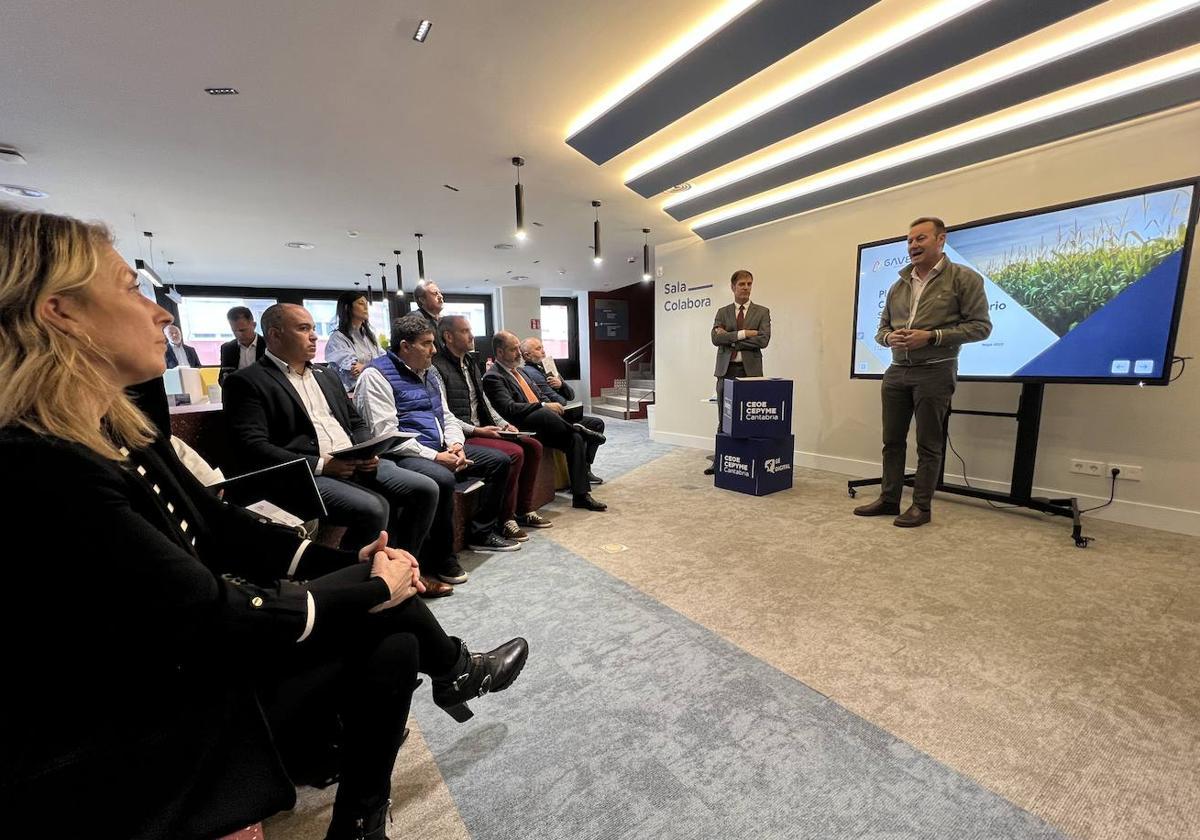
<point>967,481</point>
<point>1111,495</point>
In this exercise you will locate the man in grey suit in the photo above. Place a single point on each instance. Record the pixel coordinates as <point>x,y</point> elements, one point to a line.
<point>740,332</point>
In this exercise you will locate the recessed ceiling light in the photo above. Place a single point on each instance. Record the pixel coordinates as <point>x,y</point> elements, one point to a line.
<point>353,234</point>
<point>680,188</point>
<point>503,246</point>
<point>303,246</point>
<point>221,91</point>
<point>422,31</point>
<point>11,155</point>
<point>21,192</point>
<point>520,277</point>
<point>535,262</point>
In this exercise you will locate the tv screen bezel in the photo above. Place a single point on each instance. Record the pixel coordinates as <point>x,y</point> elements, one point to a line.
<point>1164,376</point>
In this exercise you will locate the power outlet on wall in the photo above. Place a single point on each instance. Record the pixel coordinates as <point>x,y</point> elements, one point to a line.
<point>1096,468</point>
<point>1129,472</point>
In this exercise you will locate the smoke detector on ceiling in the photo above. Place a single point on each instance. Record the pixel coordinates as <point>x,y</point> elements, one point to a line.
<point>684,187</point>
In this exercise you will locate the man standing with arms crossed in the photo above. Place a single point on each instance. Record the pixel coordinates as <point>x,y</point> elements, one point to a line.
<point>931,311</point>
<point>740,332</point>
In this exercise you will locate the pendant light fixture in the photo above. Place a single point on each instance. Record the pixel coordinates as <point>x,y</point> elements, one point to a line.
<point>596,257</point>
<point>146,269</point>
<point>646,256</point>
<point>383,281</point>
<point>399,276</point>
<point>420,258</point>
<point>519,192</point>
<point>368,276</point>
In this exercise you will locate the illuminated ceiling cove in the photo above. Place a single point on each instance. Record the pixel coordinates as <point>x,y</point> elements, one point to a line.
<point>774,108</point>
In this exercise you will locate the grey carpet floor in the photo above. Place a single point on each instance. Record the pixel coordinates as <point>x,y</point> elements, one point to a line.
<point>631,721</point>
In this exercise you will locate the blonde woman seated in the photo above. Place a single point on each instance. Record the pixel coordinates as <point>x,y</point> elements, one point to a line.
<point>144,616</point>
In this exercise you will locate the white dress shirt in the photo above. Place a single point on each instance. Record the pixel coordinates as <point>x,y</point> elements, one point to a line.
<point>247,355</point>
<point>330,434</point>
<point>376,402</point>
<point>181,358</point>
<point>919,284</point>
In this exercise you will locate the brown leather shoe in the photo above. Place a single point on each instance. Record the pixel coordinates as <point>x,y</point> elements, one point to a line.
<point>912,517</point>
<point>878,508</point>
<point>434,588</point>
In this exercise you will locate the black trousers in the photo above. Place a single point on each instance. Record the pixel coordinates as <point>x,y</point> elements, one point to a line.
<point>491,466</point>
<point>367,671</point>
<point>593,445</point>
<point>556,432</point>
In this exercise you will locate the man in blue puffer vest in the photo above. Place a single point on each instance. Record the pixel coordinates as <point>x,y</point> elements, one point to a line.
<point>402,390</point>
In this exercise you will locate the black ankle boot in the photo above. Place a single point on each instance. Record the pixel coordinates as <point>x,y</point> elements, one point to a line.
<point>475,674</point>
<point>370,824</point>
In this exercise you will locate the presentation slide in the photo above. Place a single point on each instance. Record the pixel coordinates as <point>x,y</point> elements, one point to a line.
<point>1087,292</point>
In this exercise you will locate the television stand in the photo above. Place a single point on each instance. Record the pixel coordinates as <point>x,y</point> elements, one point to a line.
<point>1020,493</point>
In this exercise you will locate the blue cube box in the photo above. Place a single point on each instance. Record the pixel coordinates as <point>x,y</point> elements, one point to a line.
<point>756,466</point>
<point>757,407</point>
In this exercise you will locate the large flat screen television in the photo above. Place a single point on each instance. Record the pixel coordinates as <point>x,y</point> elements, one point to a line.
<point>1086,292</point>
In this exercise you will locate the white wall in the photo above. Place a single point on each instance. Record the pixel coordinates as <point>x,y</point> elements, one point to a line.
<point>518,305</point>
<point>804,271</point>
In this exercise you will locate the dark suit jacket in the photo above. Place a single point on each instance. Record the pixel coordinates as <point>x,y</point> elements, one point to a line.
<point>507,397</point>
<point>266,422</point>
<point>188,350</point>
<point>433,325</point>
<point>756,318</point>
<point>132,660</point>
<point>537,373</point>
<point>231,355</point>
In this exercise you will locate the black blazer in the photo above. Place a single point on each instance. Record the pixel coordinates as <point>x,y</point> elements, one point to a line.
<point>266,422</point>
<point>188,350</point>
<point>507,397</point>
<point>131,654</point>
<point>231,355</point>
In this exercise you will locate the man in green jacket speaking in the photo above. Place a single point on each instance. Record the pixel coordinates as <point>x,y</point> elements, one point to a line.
<point>931,311</point>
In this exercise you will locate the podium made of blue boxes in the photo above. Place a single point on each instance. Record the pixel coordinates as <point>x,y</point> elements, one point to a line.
<point>754,447</point>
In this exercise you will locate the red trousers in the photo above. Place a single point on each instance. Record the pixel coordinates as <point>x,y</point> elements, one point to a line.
<point>524,456</point>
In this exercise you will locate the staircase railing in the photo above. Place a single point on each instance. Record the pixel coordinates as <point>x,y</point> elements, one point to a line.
<point>636,356</point>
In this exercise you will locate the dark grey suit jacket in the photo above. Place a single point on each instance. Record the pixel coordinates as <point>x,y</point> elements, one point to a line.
<point>757,318</point>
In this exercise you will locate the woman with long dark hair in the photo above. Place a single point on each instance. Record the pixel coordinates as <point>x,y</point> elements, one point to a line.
<point>352,345</point>
<point>146,617</point>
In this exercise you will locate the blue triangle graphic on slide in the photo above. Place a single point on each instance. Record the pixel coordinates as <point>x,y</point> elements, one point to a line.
<point>1132,326</point>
